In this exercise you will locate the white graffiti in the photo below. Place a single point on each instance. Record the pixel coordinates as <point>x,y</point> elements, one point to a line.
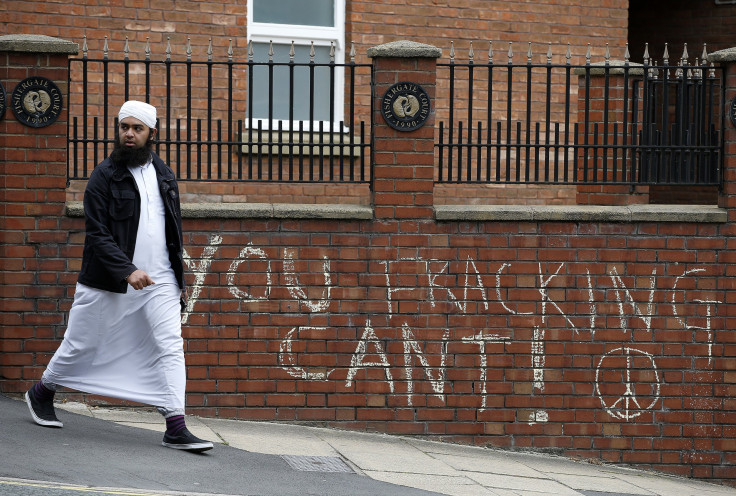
<point>538,359</point>
<point>635,391</point>
<point>357,362</point>
<point>411,346</point>
<point>627,298</point>
<point>708,312</point>
<point>287,359</point>
<point>627,404</point>
<point>200,272</point>
<point>246,253</point>
<point>481,339</point>
<point>298,293</point>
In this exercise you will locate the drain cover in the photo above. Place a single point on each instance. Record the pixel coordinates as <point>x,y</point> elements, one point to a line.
<point>317,463</point>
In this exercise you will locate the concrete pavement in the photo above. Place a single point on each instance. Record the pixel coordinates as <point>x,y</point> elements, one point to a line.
<point>262,458</point>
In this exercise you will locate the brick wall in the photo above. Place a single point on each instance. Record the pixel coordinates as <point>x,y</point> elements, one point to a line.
<point>606,334</point>
<point>679,21</point>
<point>368,23</point>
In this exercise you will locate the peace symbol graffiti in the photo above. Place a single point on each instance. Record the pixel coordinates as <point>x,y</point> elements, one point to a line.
<point>627,382</point>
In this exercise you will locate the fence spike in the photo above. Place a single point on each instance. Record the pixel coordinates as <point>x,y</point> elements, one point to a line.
<point>189,49</point>
<point>452,52</point>
<point>270,50</point>
<point>352,52</point>
<point>332,51</point>
<point>529,54</point>
<point>292,52</point>
<point>168,48</point>
<point>704,56</point>
<point>105,49</point>
<point>209,50</point>
<point>587,56</point>
<point>646,53</point>
<point>84,47</point>
<point>250,51</point>
<point>568,55</point>
<point>607,55</point>
<point>627,55</point>
<point>712,70</point>
<point>148,48</point>
<point>471,53</point>
<point>666,56</point>
<point>654,72</point>
<point>549,54</point>
<point>696,72</point>
<point>490,52</point>
<point>685,56</point>
<point>511,53</point>
<point>311,53</point>
<point>230,50</point>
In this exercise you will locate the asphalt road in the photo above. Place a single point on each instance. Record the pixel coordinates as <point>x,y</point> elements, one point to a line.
<point>93,453</point>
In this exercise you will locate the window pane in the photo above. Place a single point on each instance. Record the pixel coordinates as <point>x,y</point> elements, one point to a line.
<point>301,83</point>
<point>303,12</point>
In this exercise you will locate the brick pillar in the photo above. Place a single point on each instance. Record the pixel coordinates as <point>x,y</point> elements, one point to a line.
<point>598,163</point>
<point>32,199</point>
<point>727,197</point>
<point>403,161</point>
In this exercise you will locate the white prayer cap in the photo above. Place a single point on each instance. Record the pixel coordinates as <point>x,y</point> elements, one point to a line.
<point>140,110</point>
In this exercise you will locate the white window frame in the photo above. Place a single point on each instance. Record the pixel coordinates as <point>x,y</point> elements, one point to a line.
<point>285,34</point>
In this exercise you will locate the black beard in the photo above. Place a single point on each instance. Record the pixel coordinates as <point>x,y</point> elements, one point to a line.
<point>125,157</point>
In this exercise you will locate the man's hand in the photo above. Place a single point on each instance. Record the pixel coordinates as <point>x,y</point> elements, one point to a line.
<point>139,279</point>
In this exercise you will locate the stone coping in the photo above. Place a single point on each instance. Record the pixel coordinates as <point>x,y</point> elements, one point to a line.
<point>37,43</point>
<point>612,68</point>
<point>258,211</point>
<point>583,213</point>
<point>723,56</point>
<point>519,213</point>
<point>404,49</point>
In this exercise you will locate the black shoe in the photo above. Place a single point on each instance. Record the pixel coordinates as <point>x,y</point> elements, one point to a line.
<point>42,411</point>
<point>187,441</point>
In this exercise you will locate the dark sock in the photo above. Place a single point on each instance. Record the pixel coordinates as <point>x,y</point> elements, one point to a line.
<point>175,424</point>
<point>42,393</point>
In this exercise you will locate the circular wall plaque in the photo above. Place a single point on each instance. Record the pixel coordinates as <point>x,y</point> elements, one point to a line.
<point>732,111</point>
<point>36,102</point>
<point>405,106</point>
<point>3,103</point>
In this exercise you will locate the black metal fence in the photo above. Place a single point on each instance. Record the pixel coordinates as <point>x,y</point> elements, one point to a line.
<point>218,119</point>
<point>275,118</point>
<point>559,123</point>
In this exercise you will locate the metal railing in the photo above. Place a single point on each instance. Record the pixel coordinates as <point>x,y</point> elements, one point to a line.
<point>207,130</point>
<point>561,123</point>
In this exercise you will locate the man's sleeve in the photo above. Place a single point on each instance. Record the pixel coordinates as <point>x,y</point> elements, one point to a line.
<point>99,237</point>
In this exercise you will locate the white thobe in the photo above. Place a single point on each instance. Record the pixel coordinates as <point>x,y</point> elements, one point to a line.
<point>129,346</point>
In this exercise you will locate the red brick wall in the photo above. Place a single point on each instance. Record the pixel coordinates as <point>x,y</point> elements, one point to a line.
<point>503,333</point>
<point>492,333</point>
<point>368,23</point>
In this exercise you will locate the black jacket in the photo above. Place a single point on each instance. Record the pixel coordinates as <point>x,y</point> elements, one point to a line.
<point>112,207</point>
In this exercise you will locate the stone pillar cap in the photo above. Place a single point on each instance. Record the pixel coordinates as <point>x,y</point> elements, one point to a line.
<point>405,49</point>
<point>727,55</point>
<point>37,43</point>
<point>615,68</point>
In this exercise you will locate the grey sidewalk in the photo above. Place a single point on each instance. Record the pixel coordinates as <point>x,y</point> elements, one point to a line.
<point>432,466</point>
<point>405,462</point>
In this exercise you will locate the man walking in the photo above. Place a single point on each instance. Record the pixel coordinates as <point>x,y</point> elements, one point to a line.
<point>124,334</point>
